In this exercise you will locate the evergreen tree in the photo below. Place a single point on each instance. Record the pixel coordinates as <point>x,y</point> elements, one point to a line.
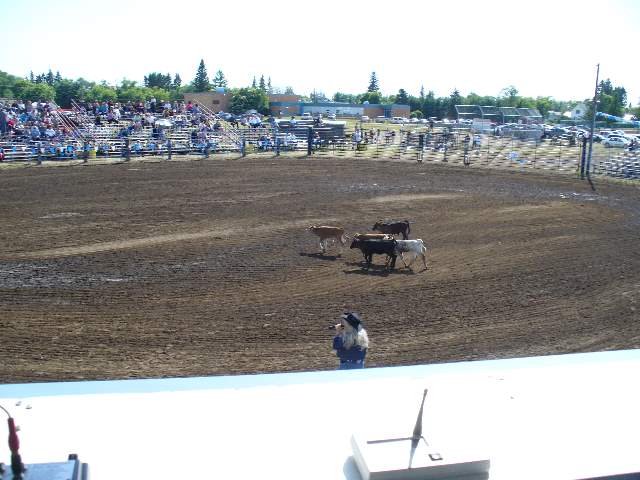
<point>269,88</point>
<point>177,81</point>
<point>58,77</point>
<point>220,80</point>
<point>49,78</point>
<point>373,83</point>
<point>40,78</point>
<point>454,99</point>
<point>201,82</point>
<point>422,92</point>
<point>262,84</point>
<point>253,84</point>
<point>402,98</point>
<point>289,91</point>
<point>32,79</point>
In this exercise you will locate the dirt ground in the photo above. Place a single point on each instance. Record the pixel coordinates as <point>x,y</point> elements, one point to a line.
<point>204,267</point>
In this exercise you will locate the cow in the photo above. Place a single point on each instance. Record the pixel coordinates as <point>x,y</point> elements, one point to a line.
<point>394,228</point>
<point>372,236</point>
<point>414,247</point>
<point>377,247</point>
<point>327,233</point>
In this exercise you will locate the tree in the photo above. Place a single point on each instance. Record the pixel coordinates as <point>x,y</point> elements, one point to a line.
<point>371,97</point>
<point>67,90</point>
<point>422,92</point>
<point>373,83</point>
<point>49,78</point>
<point>345,97</point>
<point>25,90</point>
<point>289,91</point>
<point>269,88</point>
<point>402,98</point>
<point>177,81</point>
<point>454,99</point>
<point>254,84</point>
<point>508,96</point>
<point>32,79</point>
<point>219,80</point>
<point>201,81</point>
<point>57,78</point>
<point>243,99</point>
<point>155,79</point>
<point>317,96</point>
<point>262,85</point>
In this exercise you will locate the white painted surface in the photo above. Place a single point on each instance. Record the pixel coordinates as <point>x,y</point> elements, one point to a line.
<point>572,416</point>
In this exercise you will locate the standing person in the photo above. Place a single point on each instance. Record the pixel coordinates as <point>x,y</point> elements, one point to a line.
<point>350,342</point>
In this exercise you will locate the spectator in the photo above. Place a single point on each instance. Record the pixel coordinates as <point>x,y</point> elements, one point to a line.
<point>350,342</point>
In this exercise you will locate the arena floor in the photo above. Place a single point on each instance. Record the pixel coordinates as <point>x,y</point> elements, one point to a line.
<point>186,268</point>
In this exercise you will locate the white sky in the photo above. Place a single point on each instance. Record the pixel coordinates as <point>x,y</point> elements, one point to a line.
<point>543,48</point>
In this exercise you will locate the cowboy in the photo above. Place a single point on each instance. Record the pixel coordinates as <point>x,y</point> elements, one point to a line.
<point>350,342</point>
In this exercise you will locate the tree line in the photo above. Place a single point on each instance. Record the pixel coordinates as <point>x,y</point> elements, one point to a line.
<point>164,86</point>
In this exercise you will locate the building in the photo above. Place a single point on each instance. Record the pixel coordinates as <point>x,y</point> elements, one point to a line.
<point>579,111</point>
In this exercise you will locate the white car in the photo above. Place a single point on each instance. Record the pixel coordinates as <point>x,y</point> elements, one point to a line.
<point>364,118</point>
<point>615,141</point>
<point>381,119</point>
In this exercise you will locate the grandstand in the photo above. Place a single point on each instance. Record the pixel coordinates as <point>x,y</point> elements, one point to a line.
<point>498,114</point>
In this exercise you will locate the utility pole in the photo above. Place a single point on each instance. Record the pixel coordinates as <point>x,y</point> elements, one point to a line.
<point>593,124</point>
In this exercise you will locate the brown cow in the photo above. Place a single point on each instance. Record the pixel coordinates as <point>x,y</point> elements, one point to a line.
<point>327,233</point>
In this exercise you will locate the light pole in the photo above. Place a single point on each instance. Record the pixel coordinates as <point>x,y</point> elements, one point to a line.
<point>593,124</point>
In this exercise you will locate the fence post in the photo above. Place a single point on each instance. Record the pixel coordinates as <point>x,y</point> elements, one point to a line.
<point>276,140</point>
<point>207,147</point>
<point>127,151</point>
<point>243,147</point>
<point>583,156</point>
<point>85,152</point>
<point>309,141</point>
<point>420,147</point>
<point>169,148</point>
<point>39,149</point>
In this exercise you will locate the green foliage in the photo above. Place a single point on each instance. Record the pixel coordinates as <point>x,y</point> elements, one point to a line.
<point>345,97</point>
<point>454,99</point>
<point>25,90</point>
<point>371,97</point>
<point>374,86</point>
<point>289,91</point>
<point>100,93</point>
<point>155,79</point>
<point>201,81</point>
<point>508,97</point>
<point>243,99</point>
<point>177,81</point>
<point>402,98</point>
<point>416,114</point>
<point>219,80</point>
<point>262,85</point>
<point>66,90</point>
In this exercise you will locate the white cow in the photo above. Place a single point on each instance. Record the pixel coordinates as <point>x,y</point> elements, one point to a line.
<point>414,247</point>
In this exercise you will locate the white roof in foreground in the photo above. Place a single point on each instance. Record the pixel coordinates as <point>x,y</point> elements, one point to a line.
<point>555,417</point>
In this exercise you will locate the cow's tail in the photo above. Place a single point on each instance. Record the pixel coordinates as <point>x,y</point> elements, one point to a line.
<point>408,227</point>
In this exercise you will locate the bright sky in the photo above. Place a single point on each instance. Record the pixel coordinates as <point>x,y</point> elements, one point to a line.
<point>543,48</point>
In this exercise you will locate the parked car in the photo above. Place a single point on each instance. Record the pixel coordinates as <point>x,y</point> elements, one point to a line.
<point>306,115</point>
<point>331,116</point>
<point>365,118</point>
<point>381,119</point>
<point>616,141</point>
<point>399,120</point>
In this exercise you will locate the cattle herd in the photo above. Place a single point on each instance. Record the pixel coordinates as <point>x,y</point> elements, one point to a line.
<point>382,243</point>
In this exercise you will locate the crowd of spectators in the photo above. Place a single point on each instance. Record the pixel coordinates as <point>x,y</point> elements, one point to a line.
<point>31,121</point>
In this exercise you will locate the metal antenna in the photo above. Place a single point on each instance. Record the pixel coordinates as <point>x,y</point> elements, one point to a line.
<point>417,430</point>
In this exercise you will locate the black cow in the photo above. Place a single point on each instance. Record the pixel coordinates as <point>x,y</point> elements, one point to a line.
<point>377,247</point>
<point>394,228</point>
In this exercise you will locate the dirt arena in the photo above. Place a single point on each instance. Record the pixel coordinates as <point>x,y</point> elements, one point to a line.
<point>204,267</point>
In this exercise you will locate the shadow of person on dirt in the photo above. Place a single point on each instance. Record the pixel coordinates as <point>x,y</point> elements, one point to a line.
<point>320,256</point>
